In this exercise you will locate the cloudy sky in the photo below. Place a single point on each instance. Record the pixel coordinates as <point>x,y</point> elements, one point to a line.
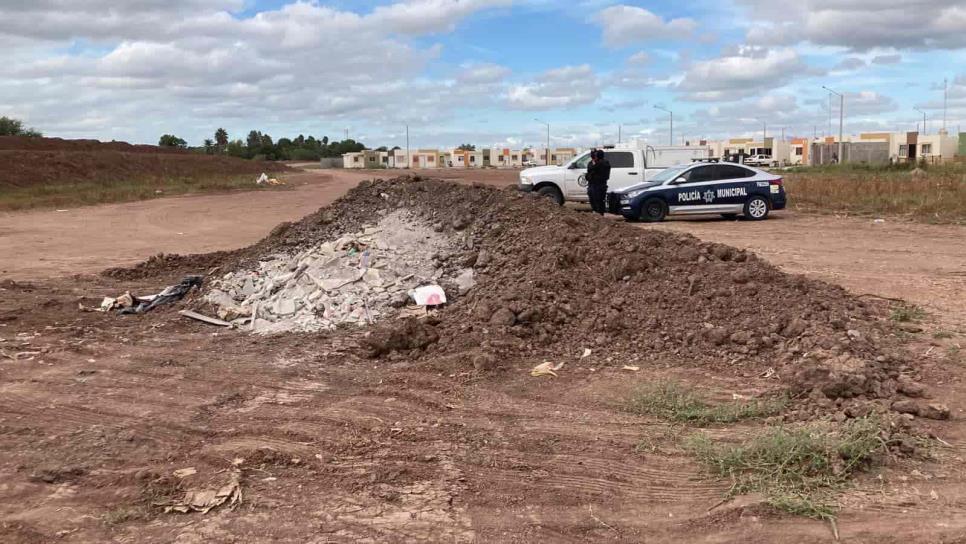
<point>478,71</point>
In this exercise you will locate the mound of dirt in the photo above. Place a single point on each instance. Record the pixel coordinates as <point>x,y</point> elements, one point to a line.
<point>551,282</point>
<point>39,161</point>
<point>21,143</point>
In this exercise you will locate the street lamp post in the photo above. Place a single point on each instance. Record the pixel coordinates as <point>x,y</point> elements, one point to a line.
<point>671,114</point>
<point>547,151</point>
<point>841,119</point>
<point>924,130</point>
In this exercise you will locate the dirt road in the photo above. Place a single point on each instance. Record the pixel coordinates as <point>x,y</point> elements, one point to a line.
<point>45,244</point>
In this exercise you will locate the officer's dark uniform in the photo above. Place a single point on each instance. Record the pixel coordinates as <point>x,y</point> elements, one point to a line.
<point>598,174</point>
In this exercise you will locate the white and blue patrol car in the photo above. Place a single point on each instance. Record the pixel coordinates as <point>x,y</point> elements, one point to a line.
<point>701,188</point>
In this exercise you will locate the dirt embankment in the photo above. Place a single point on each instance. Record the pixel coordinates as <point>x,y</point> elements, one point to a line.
<point>39,161</point>
<point>551,282</point>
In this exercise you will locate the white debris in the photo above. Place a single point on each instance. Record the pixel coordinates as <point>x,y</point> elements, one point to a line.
<point>355,279</point>
<point>428,295</point>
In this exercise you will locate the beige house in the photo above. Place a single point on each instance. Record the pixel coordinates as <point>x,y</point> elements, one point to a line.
<point>459,158</point>
<point>366,159</point>
<point>507,158</point>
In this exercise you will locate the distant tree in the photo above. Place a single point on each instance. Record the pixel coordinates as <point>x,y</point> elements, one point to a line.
<point>221,138</point>
<point>383,148</point>
<point>170,140</point>
<point>254,140</point>
<point>209,146</point>
<point>466,147</point>
<point>14,127</point>
<point>237,148</point>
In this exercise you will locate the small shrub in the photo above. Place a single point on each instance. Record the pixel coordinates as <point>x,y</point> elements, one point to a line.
<point>798,470</point>
<point>905,313</point>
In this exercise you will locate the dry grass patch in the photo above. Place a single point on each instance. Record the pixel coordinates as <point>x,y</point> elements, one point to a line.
<point>86,193</point>
<point>934,194</point>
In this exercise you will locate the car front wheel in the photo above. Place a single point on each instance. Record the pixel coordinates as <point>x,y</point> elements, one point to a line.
<point>756,208</point>
<point>552,192</point>
<point>653,210</point>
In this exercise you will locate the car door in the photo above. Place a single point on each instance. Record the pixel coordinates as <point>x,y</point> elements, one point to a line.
<point>733,185</point>
<point>689,194</point>
<point>624,172</point>
<point>575,178</point>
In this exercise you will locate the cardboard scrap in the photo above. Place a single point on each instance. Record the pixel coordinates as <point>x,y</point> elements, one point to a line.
<point>546,369</point>
<point>631,368</point>
<point>205,319</point>
<point>205,500</point>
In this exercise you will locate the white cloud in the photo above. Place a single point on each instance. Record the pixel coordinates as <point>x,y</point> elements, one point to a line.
<point>859,24</point>
<point>482,73</point>
<point>887,59</point>
<point>559,88</point>
<point>430,16</point>
<point>741,73</point>
<point>626,25</point>
<point>137,67</point>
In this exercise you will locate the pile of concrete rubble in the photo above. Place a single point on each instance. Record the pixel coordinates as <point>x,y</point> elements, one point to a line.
<point>356,279</point>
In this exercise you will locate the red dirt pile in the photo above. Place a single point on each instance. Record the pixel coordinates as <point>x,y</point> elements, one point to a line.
<point>35,161</point>
<point>551,282</point>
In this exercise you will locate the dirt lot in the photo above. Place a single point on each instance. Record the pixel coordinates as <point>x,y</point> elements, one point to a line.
<point>97,412</point>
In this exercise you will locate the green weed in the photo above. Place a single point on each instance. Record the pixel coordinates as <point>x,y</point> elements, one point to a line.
<point>905,313</point>
<point>798,470</point>
<point>671,401</point>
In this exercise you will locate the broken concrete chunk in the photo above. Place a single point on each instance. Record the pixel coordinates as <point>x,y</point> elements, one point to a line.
<point>465,281</point>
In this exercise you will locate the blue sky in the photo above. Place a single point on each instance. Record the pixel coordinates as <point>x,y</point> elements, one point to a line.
<point>479,71</point>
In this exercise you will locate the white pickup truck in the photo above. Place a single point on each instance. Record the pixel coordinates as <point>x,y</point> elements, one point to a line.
<point>629,165</point>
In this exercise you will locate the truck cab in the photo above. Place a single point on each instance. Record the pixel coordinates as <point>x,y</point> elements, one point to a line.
<point>630,165</point>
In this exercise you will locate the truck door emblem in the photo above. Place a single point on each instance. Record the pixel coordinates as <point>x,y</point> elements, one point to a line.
<point>709,196</point>
<point>582,180</point>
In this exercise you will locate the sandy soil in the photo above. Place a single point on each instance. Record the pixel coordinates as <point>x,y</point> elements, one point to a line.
<point>97,412</point>
<point>45,244</point>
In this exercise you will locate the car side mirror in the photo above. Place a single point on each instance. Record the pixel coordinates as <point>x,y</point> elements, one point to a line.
<point>680,180</point>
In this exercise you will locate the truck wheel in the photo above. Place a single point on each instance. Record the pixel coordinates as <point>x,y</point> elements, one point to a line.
<point>756,208</point>
<point>552,192</point>
<point>653,210</point>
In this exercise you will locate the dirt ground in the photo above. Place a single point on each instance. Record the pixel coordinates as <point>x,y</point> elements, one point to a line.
<point>97,412</point>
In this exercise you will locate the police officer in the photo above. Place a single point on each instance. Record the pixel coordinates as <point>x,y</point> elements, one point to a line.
<point>598,174</point>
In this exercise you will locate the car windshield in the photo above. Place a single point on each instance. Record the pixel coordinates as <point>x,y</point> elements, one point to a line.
<point>669,174</point>
<point>581,162</point>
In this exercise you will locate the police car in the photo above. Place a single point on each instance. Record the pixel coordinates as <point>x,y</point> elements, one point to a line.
<point>701,188</point>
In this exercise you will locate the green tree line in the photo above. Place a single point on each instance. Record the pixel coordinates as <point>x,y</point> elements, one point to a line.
<point>15,127</point>
<point>261,146</point>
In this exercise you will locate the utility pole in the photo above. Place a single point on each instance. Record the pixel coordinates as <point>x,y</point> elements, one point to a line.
<point>829,131</point>
<point>347,134</point>
<point>671,114</point>
<point>841,119</point>
<point>945,100</point>
<point>925,129</point>
<point>547,155</point>
<point>409,156</point>
<point>619,135</point>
